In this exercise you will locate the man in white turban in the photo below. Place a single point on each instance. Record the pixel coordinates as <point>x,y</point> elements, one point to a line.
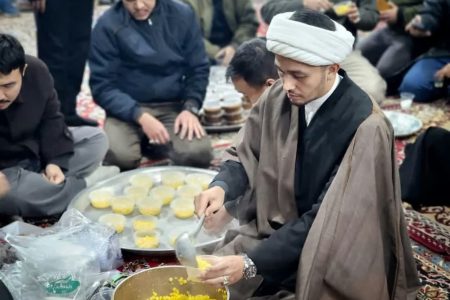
<point>355,15</point>
<point>316,182</point>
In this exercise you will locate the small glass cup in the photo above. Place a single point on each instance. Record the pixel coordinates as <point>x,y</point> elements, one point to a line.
<point>144,223</point>
<point>147,239</point>
<point>142,180</point>
<point>115,221</point>
<point>150,206</point>
<point>163,193</point>
<point>406,100</point>
<point>101,198</point>
<point>173,179</point>
<point>182,208</point>
<point>122,205</point>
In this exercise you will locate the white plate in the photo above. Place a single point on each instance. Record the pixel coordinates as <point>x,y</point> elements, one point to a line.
<point>404,124</point>
<point>166,223</point>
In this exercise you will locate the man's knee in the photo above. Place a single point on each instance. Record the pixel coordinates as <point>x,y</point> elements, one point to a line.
<point>196,153</point>
<point>376,88</point>
<point>124,158</point>
<point>124,144</point>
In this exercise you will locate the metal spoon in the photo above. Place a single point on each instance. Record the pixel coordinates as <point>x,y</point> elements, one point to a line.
<point>185,248</point>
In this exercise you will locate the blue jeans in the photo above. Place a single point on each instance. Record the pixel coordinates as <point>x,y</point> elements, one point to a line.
<point>419,80</point>
<point>7,7</point>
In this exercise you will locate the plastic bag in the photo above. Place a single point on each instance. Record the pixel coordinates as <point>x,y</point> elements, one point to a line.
<point>24,287</point>
<point>63,259</point>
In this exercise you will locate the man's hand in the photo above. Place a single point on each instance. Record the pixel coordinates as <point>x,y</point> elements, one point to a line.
<point>38,5</point>
<point>443,73</point>
<point>318,5</point>
<point>389,15</point>
<point>54,174</point>
<point>353,14</point>
<point>414,28</point>
<point>217,221</point>
<point>209,201</point>
<point>4,184</point>
<point>154,129</point>
<point>224,270</point>
<point>187,124</point>
<point>225,55</point>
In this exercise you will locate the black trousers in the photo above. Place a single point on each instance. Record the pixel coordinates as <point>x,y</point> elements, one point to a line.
<point>63,38</point>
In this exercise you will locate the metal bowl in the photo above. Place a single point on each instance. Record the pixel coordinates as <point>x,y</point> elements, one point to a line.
<point>141,286</point>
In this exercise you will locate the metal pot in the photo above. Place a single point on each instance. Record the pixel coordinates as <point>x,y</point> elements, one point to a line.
<point>140,286</point>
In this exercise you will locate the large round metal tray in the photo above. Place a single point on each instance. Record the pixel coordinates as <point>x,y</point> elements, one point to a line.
<point>167,222</point>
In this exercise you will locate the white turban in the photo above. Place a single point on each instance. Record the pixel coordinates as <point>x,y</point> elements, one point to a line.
<point>308,44</point>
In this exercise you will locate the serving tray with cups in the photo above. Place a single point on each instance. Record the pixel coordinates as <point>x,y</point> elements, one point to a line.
<point>149,207</point>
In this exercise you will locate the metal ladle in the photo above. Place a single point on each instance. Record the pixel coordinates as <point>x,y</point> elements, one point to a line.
<point>185,248</point>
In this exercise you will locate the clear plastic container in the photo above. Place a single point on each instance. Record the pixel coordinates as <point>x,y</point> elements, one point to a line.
<point>163,193</point>
<point>147,239</point>
<point>203,263</point>
<point>144,223</point>
<point>189,191</point>
<point>142,180</point>
<point>115,221</point>
<point>122,205</point>
<point>202,180</point>
<point>136,192</point>
<point>150,206</point>
<point>101,198</point>
<point>173,179</point>
<point>182,208</point>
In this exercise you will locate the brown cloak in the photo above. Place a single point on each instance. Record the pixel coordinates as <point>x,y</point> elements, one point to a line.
<point>357,247</point>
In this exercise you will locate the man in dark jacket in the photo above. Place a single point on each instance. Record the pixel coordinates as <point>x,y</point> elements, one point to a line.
<point>43,164</point>
<point>150,72</point>
<point>426,78</point>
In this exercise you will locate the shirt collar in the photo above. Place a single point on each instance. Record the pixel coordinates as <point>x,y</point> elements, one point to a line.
<point>312,107</point>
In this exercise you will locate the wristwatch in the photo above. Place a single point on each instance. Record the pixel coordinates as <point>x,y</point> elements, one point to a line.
<point>191,107</point>
<point>249,267</point>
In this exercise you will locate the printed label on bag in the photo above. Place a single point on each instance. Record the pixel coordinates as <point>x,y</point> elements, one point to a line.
<point>62,286</point>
